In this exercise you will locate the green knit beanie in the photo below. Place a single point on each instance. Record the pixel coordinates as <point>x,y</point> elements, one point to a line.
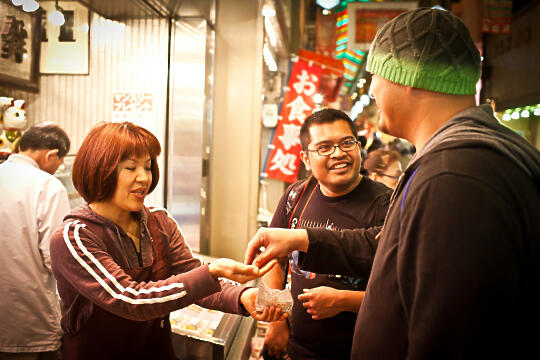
<point>427,49</point>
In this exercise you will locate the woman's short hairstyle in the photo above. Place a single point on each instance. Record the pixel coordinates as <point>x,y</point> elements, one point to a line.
<point>106,145</point>
<point>378,161</point>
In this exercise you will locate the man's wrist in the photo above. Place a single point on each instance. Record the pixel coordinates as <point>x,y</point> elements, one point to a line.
<point>279,324</point>
<point>341,301</point>
<point>349,300</point>
<point>301,240</point>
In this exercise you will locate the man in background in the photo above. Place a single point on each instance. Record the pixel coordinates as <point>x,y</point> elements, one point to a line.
<point>33,204</point>
<point>457,267</point>
<point>335,197</point>
<point>383,166</point>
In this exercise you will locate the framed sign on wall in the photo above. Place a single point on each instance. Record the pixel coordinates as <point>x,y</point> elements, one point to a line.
<point>19,49</point>
<point>65,48</point>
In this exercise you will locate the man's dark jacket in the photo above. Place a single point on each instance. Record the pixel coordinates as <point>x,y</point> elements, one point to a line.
<point>456,274</point>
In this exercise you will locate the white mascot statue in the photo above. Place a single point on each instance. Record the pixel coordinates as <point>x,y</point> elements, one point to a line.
<point>12,123</point>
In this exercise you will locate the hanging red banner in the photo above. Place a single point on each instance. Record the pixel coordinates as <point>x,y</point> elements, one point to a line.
<point>331,77</point>
<point>284,159</point>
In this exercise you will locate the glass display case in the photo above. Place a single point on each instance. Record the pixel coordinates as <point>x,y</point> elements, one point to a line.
<point>199,333</point>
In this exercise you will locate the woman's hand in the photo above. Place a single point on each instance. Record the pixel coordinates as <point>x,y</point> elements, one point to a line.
<point>269,314</point>
<point>237,271</point>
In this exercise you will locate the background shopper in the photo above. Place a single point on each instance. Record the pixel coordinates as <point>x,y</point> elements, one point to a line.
<point>33,204</point>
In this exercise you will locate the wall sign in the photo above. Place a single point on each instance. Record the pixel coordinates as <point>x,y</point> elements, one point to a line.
<point>19,47</point>
<point>135,107</point>
<point>64,49</point>
<point>365,18</point>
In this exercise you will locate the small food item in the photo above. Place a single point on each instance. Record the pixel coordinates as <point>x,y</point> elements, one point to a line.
<point>273,297</point>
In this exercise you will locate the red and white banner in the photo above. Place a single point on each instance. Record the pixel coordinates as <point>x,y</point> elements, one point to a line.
<point>284,159</point>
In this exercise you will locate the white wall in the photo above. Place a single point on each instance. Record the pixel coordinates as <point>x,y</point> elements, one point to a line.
<point>124,57</point>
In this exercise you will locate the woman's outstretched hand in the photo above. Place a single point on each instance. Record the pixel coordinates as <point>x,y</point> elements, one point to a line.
<point>237,271</point>
<point>269,314</point>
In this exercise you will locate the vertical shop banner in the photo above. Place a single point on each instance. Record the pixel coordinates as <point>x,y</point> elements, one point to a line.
<point>284,159</point>
<point>331,76</point>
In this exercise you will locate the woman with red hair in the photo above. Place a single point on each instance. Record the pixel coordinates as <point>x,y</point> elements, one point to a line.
<point>121,267</point>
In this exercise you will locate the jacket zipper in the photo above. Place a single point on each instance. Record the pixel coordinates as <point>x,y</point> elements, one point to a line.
<point>139,257</point>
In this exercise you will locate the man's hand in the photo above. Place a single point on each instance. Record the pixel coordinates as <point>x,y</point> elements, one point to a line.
<point>269,314</point>
<point>237,271</point>
<point>276,339</point>
<point>323,302</point>
<point>276,243</point>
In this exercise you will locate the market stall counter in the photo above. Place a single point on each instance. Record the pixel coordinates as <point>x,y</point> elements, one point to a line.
<point>201,334</point>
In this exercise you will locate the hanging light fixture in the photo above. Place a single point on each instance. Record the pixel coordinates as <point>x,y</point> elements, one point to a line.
<point>327,4</point>
<point>57,16</point>
<point>268,9</point>
<point>29,5</point>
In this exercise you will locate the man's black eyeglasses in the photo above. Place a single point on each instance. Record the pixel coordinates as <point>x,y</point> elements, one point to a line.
<point>395,177</point>
<point>327,150</point>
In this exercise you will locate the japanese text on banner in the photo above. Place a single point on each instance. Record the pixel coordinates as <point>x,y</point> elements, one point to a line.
<point>284,159</point>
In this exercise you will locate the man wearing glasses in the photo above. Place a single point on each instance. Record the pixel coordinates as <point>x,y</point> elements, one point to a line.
<point>383,166</point>
<point>457,267</point>
<point>335,197</point>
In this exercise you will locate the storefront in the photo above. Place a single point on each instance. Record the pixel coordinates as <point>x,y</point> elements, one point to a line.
<point>208,78</point>
<point>512,76</point>
<point>161,67</point>
<point>192,73</point>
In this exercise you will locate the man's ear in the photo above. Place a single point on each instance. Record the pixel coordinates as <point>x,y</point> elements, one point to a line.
<point>305,159</point>
<point>50,153</point>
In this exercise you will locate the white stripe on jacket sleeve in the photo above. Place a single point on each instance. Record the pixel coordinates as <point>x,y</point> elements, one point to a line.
<point>118,286</point>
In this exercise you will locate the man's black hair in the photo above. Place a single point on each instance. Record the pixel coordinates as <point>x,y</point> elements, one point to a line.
<point>45,136</point>
<point>323,117</point>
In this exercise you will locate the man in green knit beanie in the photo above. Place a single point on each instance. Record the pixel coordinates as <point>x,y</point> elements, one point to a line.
<point>423,49</point>
<point>427,49</point>
<point>457,266</point>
